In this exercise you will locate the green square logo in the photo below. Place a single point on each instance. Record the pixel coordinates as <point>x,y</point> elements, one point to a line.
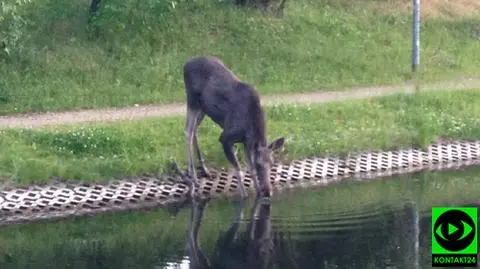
<point>454,236</point>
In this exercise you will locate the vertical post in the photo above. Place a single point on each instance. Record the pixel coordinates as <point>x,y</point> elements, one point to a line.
<point>416,35</point>
<point>416,234</point>
<point>412,259</point>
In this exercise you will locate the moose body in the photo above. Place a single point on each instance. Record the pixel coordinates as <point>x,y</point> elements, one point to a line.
<point>214,90</point>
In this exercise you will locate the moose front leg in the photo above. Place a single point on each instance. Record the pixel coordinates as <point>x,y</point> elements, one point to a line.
<point>251,167</point>
<point>228,150</point>
<point>201,159</point>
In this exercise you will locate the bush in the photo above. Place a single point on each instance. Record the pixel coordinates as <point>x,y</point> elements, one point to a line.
<point>12,27</point>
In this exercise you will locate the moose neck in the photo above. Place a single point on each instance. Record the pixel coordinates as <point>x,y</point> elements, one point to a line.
<point>256,134</point>
<point>254,144</point>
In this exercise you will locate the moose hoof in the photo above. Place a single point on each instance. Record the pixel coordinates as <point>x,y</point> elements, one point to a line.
<point>206,173</point>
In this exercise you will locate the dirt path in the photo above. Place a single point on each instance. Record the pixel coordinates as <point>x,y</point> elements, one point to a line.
<point>38,120</point>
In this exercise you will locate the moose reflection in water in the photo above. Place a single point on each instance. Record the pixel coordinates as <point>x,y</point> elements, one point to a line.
<point>387,239</point>
<point>375,236</point>
<point>251,248</point>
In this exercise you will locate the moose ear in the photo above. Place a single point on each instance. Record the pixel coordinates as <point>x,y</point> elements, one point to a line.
<point>278,143</point>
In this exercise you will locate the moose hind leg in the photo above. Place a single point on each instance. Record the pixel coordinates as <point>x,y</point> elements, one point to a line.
<point>201,159</point>
<point>227,143</point>
<point>191,125</point>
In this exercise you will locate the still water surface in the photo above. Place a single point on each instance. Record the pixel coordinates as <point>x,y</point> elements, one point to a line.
<point>376,224</point>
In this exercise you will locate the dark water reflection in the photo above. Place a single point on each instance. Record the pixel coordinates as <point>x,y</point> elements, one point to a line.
<point>297,233</point>
<point>382,235</point>
<point>379,236</point>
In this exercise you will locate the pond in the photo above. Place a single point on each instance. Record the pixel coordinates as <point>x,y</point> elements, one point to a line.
<point>373,224</point>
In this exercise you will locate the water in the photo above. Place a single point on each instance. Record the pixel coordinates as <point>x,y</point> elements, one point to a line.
<point>376,224</point>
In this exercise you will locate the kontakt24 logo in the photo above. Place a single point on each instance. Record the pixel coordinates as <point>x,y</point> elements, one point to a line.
<point>454,236</point>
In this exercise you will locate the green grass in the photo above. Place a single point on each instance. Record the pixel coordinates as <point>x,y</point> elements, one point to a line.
<point>101,151</point>
<point>138,54</point>
<point>142,239</point>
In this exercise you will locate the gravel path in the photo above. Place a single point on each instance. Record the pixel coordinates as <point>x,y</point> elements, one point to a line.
<point>38,120</point>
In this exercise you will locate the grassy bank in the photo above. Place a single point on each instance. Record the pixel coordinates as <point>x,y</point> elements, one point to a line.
<point>104,150</point>
<point>141,239</point>
<point>137,54</point>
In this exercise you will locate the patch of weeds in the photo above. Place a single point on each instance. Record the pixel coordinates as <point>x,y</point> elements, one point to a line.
<point>84,141</point>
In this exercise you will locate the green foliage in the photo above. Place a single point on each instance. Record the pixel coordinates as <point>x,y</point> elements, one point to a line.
<point>13,24</point>
<point>132,52</point>
<point>100,151</point>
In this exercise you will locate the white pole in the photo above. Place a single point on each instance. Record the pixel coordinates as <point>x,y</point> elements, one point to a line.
<point>416,35</point>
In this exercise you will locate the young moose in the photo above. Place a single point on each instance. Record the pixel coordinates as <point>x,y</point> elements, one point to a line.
<point>213,90</point>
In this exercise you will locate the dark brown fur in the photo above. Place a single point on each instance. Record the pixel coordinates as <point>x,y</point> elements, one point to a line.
<point>214,90</point>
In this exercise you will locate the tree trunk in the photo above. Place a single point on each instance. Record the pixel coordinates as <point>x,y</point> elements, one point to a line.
<point>94,7</point>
